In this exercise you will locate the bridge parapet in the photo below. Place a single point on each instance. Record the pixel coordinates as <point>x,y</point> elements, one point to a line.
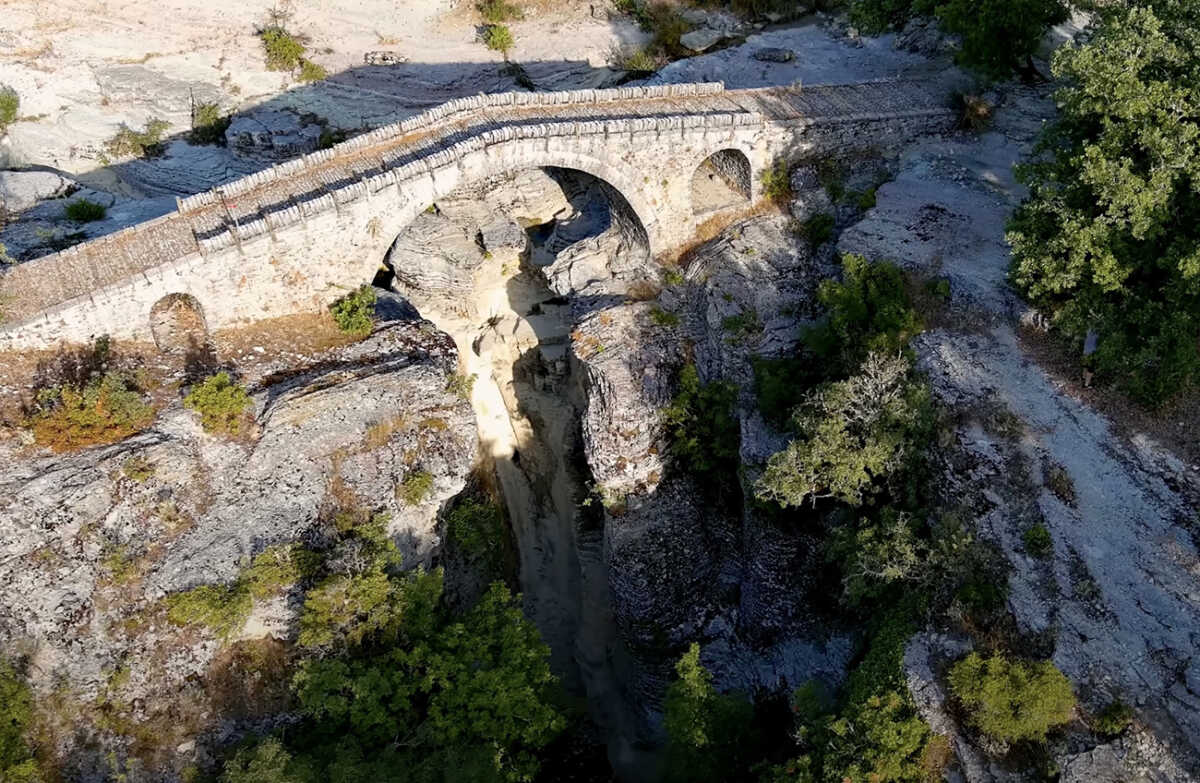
<point>641,140</point>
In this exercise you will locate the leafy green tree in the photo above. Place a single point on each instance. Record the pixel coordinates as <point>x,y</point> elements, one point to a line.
<point>708,732</point>
<point>267,762</point>
<point>470,695</point>
<point>702,429</point>
<point>1012,700</point>
<point>999,35</point>
<point>869,311</point>
<point>1109,239</point>
<point>853,437</point>
<point>360,597</point>
<point>880,740</point>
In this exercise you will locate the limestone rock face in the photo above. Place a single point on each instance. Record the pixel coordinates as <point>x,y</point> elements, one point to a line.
<point>20,190</point>
<point>271,133</point>
<point>90,542</point>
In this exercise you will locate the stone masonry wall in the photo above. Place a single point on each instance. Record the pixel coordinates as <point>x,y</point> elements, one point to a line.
<point>338,210</point>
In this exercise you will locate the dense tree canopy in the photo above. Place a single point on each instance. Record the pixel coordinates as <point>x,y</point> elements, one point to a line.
<point>1109,240</point>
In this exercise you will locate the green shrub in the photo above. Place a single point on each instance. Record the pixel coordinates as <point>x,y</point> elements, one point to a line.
<point>267,762</point>
<point>208,124</point>
<point>639,59</point>
<point>866,199</point>
<point>777,182</point>
<point>496,11</point>
<point>223,609</point>
<point>702,430</point>
<point>707,732</point>
<point>415,487</point>
<point>818,229</point>
<point>1012,700</point>
<point>103,409</point>
<point>354,313</point>
<point>10,104</point>
<point>145,143</point>
<point>81,210</point>
<point>854,437</point>
<point>137,469</point>
<point>283,50</point>
<point>461,385</point>
<point>476,527</point>
<point>1038,542</point>
<point>742,326</point>
<point>311,72</point>
<point>498,38</point>
<point>275,568</point>
<point>663,317</point>
<point>1113,719</point>
<point>17,763</point>
<point>1108,240</point>
<point>869,311</point>
<point>780,385</point>
<point>221,403</point>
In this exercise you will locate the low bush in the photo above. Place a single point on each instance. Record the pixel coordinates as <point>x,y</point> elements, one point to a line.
<point>496,11</point>
<point>81,210</point>
<point>1038,542</point>
<point>1113,719</point>
<point>415,487</point>
<point>105,408</point>
<point>17,763</point>
<point>221,403</point>
<point>780,385</point>
<point>283,50</point>
<point>354,313</point>
<point>311,72</point>
<point>208,124</point>
<point>663,317</point>
<point>10,104</point>
<point>777,182</point>
<point>817,229</point>
<point>461,385</point>
<point>974,112</point>
<point>223,609</point>
<point>638,59</point>
<point>702,430</point>
<point>498,37</point>
<point>277,567</point>
<point>1012,700</point>
<point>145,143</point>
<point>137,469</point>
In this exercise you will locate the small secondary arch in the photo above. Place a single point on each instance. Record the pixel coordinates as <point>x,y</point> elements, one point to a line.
<point>722,180</point>
<point>177,323</point>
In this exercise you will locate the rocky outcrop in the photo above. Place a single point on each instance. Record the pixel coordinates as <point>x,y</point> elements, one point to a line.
<point>90,542</point>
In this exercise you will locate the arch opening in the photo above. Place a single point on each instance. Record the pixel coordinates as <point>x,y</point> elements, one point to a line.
<point>722,180</point>
<point>177,323</point>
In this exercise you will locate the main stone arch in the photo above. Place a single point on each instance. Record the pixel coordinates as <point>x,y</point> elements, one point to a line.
<point>391,214</point>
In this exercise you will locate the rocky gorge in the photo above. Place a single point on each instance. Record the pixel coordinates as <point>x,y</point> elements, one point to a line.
<point>524,346</point>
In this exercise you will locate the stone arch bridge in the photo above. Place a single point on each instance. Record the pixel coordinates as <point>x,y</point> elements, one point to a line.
<point>295,236</point>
